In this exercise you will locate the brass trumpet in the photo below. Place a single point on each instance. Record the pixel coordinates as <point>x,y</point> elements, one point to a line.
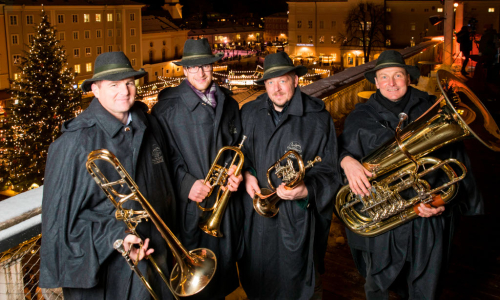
<point>217,176</point>
<point>265,203</point>
<point>457,115</point>
<point>194,269</point>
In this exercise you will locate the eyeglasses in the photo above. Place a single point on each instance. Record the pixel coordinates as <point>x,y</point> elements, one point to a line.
<point>195,69</point>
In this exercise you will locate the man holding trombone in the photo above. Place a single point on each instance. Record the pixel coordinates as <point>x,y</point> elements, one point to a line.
<point>199,118</point>
<point>79,226</point>
<point>284,254</point>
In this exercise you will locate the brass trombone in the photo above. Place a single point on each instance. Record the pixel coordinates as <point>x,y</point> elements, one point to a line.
<point>217,176</point>
<point>265,203</point>
<point>194,269</point>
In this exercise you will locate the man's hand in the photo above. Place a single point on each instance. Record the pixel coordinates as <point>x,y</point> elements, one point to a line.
<point>233,182</point>
<point>140,252</point>
<point>357,175</point>
<point>299,192</point>
<point>251,184</point>
<point>427,212</point>
<point>199,191</point>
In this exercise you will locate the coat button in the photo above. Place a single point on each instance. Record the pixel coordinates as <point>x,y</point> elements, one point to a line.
<point>127,129</point>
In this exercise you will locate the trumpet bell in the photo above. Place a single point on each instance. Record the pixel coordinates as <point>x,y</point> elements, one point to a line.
<point>195,276</point>
<point>265,206</point>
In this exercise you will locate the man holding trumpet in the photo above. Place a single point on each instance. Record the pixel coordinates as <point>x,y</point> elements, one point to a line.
<point>283,255</point>
<point>199,118</point>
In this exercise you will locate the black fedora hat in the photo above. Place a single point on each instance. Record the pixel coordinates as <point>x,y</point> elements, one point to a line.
<point>197,53</point>
<point>278,64</point>
<point>388,59</point>
<point>112,66</point>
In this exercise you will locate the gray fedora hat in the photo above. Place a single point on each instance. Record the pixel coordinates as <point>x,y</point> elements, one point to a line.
<point>392,58</point>
<point>197,53</point>
<point>112,66</point>
<point>278,64</point>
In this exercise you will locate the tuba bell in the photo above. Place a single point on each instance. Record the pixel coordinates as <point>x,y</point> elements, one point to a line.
<point>217,177</point>
<point>458,114</point>
<point>193,270</point>
<point>265,203</point>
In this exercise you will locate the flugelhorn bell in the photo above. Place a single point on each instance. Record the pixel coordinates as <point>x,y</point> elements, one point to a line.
<point>194,269</point>
<point>403,163</point>
<point>265,203</point>
<point>217,177</point>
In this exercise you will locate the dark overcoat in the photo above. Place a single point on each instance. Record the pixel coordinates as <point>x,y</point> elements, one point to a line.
<point>78,220</point>
<point>195,133</point>
<point>281,252</point>
<point>424,241</point>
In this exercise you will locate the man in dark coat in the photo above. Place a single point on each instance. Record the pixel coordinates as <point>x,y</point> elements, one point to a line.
<point>78,220</point>
<point>199,118</point>
<point>410,258</point>
<point>465,41</point>
<point>284,254</point>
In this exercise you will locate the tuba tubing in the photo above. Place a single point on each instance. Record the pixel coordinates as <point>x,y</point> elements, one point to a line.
<point>265,203</point>
<point>457,115</point>
<point>194,269</point>
<point>217,176</point>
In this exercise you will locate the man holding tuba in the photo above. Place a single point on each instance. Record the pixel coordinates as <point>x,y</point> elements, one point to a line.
<point>408,259</point>
<point>78,221</point>
<point>199,118</point>
<point>283,255</point>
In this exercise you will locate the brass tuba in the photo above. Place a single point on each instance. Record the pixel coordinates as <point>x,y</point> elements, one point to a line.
<point>265,203</point>
<point>458,114</point>
<point>194,269</point>
<point>217,176</point>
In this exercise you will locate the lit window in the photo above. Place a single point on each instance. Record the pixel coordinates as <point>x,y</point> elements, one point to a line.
<point>86,18</point>
<point>310,39</point>
<point>16,77</point>
<point>387,27</point>
<point>29,20</point>
<point>77,68</point>
<point>388,9</point>
<point>62,36</point>
<point>60,19</point>
<point>132,31</point>
<point>98,17</point>
<point>75,18</point>
<point>132,17</point>
<point>99,50</point>
<point>412,26</point>
<point>412,42</point>
<point>13,20</point>
<point>333,39</point>
<point>86,34</point>
<point>76,52</point>
<point>439,9</point>
<point>387,42</point>
<point>132,48</point>
<point>88,52</point>
<point>491,9</point>
<point>88,67</point>
<point>368,25</point>
<point>110,17</point>
<point>15,39</point>
<point>75,35</point>
<point>98,33</point>
<point>322,39</point>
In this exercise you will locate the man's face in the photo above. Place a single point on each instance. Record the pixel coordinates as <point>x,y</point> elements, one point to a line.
<point>199,76</point>
<point>117,97</point>
<point>392,82</point>
<point>281,89</point>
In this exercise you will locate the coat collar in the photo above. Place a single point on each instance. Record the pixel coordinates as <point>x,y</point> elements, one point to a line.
<point>296,107</point>
<point>191,100</point>
<point>415,98</point>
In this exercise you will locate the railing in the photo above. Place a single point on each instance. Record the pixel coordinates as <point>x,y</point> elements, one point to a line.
<point>20,218</point>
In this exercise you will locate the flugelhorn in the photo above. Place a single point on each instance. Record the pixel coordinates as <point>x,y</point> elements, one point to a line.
<point>194,269</point>
<point>217,177</point>
<point>458,114</point>
<point>265,203</point>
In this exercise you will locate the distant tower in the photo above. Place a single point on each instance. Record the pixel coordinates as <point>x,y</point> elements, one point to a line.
<point>174,8</point>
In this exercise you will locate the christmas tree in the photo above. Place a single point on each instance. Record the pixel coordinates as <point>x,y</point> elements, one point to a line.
<point>44,97</point>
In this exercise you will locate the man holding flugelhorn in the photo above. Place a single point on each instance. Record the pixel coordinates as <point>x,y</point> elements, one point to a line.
<point>408,259</point>
<point>79,226</point>
<point>284,254</point>
<point>199,118</point>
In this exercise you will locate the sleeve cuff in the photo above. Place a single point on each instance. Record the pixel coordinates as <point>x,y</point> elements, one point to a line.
<point>252,171</point>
